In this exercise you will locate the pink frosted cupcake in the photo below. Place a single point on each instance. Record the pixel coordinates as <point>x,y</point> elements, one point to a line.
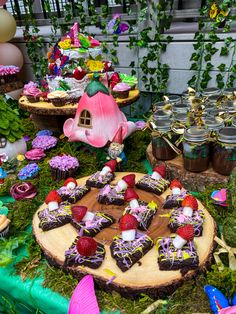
<point>63,166</point>
<point>32,92</point>
<point>35,155</point>
<point>121,90</point>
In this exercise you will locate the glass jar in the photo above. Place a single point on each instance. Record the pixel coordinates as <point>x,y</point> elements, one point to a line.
<point>230,106</point>
<point>187,96</point>
<point>181,108</point>
<point>213,124</point>
<point>158,105</point>
<point>161,115</point>
<point>181,118</point>
<point>229,92</point>
<point>174,100</point>
<point>163,140</point>
<point>234,122</point>
<point>211,91</point>
<point>196,149</point>
<point>224,156</point>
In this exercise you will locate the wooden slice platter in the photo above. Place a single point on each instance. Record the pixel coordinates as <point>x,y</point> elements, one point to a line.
<point>143,277</point>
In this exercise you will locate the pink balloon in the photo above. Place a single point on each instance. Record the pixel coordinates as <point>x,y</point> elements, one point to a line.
<point>10,55</point>
<point>2,2</point>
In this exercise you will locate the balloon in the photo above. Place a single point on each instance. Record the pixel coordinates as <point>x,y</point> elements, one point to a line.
<point>2,2</point>
<point>11,55</point>
<point>7,26</point>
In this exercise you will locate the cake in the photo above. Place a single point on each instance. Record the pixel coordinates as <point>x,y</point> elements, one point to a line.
<point>71,192</point>
<point>8,78</point>
<point>177,195</point>
<point>58,98</point>
<point>155,182</point>
<point>44,142</point>
<point>142,211</point>
<point>32,92</point>
<point>85,251</point>
<point>129,80</point>
<point>63,166</point>
<point>129,247</point>
<point>114,194</point>
<point>121,90</point>
<point>89,223</point>
<point>100,178</point>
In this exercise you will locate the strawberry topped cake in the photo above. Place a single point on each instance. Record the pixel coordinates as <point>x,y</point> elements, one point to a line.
<point>71,192</point>
<point>100,178</point>
<point>177,195</point>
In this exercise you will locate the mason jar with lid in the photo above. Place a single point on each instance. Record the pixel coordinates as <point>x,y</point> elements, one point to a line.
<point>163,140</point>
<point>196,149</point>
<point>213,124</point>
<point>224,155</point>
<point>158,105</point>
<point>161,115</point>
<point>229,92</point>
<point>181,108</point>
<point>187,96</point>
<point>174,100</point>
<point>211,91</point>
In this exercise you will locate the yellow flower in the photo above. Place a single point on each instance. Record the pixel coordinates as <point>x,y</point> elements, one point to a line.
<point>94,65</point>
<point>20,157</point>
<point>213,11</point>
<point>66,44</point>
<point>62,136</point>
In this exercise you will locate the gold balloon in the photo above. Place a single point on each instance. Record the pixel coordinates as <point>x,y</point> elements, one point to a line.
<point>11,55</point>
<point>7,26</point>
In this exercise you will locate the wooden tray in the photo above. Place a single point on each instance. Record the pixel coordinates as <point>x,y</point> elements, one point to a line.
<point>144,277</point>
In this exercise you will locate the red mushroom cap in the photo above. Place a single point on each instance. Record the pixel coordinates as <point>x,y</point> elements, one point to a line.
<point>128,222</point>
<point>53,196</point>
<point>190,201</point>
<point>186,232</point>
<point>130,180</point>
<point>70,180</point>
<point>175,184</point>
<point>78,212</point>
<point>111,164</point>
<point>161,169</point>
<point>130,195</point>
<point>86,246</point>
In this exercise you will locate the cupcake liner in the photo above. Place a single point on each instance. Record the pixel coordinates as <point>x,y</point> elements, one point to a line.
<point>59,175</point>
<point>33,99</point>
<point>59,102</point>
<point>121,95</point>
<point>4,232</point>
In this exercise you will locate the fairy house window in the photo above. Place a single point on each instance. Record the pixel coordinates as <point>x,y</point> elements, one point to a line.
<point>85,119</point>
<point>3,142</point>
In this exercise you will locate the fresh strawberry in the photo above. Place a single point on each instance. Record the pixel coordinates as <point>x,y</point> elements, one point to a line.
<point>190,201</point>
<point>86,246</point>
<point>175,184</point>
<point>128,222</point>
<point>53,196</point>
<point>161,169</point>
<point>112,85</point>
<point>78,212</point>
<point>129,179</point>
<point>79,73</point>
<point>111,164</point>
<point>70,180</point>
<point>130,195</point>
<point>186,232</point>
<point>115,77</point>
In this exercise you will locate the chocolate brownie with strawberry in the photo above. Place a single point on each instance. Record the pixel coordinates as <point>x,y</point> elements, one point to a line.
<point>100,178</point>
<point>177,195</point>
<point>71,192</point>
<point>85,251</point>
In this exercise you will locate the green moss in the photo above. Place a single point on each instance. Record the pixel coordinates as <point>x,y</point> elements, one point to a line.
<point>232,190</point>
<point>5,187</point>
<point>229,230</point>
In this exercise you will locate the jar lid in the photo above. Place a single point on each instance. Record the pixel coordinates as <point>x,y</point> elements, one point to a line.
<point>196,134</point>
<point>214,123</point>
<point>227,135</point>
<point>182,107</point>
<point>211,90</point>
<point>181,117</point>
<point>174,99</point>
<point>159,104</point>
<point>163,125</point>
<point>161,114</point>
<point>229,90</point>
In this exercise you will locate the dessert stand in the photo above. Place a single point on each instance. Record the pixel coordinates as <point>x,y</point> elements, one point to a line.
<point>45,115</point>
<point>144,276</point>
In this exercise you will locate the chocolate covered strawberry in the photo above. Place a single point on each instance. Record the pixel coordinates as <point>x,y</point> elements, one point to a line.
<point>79,73</point>
<point>128,226</point>
<point>159,172</point>
<point>189,205</point>
<point>53,200</point>
<point>132,197</point>
<point>115,79</point>
<point>184,235</point>
<point>109,166</point>
<point>81,213</point>
<point>176,187</point>
<point>70,183</point>
<point>86,246</point>
<point>126,181</point>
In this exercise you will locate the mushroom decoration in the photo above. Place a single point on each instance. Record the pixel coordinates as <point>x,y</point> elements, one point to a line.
<point>189,205</point>
<point>81,213</point>
<point>184,235</point>
<point>128,227</point>
<point>159,172</point>
<point>109,166</point>
<point>176,187</point>
<point>125,182</point>
<point>132,197</point>
<point>53,200</point>
<point>70,183</point>
<point>96,109</point>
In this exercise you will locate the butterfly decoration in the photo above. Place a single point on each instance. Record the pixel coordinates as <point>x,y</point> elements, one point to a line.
<point>219,197</point>
<point>218,301</point>
<point>116,25</point>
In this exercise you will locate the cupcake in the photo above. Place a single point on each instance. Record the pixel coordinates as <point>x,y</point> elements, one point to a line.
<point>121,90</point>
<point>28,172</point>
<point>63,166</point>
<point>4,221</point>
<point>44,142</point>
<point>129,80</point>
<point>58,98</point>
<point>32,92</point>
<point>35,154</point>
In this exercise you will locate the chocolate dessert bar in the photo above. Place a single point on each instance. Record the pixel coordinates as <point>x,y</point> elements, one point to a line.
<point>110,195</point>
<point>171,258</point>
<point>55,218</point>
<point>127,253</point>
<point>73,258</point>
<point>178,219</point>
<point>143,213</point>
<point>73,196</point>
<point>147,183</point>
<point>91,228</point>
<point>98,181</point>
<point>173,201</point>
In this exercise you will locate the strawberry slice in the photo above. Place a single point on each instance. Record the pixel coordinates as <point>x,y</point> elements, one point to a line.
<point>186,232</point>
<point>78,212</point>
<point>128,222</point>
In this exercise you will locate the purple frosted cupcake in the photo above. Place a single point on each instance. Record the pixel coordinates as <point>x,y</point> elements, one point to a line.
<point>44,142</point>
<point>63,166</point>
<point>121,90</point>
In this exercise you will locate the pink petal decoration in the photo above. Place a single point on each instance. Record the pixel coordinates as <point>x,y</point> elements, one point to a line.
<point>83,300</point>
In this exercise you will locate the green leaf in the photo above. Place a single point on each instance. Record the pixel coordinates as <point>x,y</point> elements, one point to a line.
<point>195,57</point>
<point>207,57</point>
<point>233,68</point>
<point>224,51</point>
<point>209,66</point>
<point>221,67</point>
<point>194,67</point>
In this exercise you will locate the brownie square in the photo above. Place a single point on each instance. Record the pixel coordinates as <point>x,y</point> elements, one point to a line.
<point>178,219</point>
<point>147,183</point>
<point>98,181</point>
<point>127,253</point>
<point>73,196</point>
<point>73,258</point>
<point>171,258</point>
<point>174,201</point>
<point>110,195</point>
<point>143,213</point>
<point>90,229</point>
<point>55,218</point>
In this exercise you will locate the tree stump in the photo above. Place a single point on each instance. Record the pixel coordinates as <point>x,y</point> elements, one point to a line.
<point>144,276</point>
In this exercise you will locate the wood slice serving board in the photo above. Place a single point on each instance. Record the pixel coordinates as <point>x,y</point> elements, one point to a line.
<point>143,277</point>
